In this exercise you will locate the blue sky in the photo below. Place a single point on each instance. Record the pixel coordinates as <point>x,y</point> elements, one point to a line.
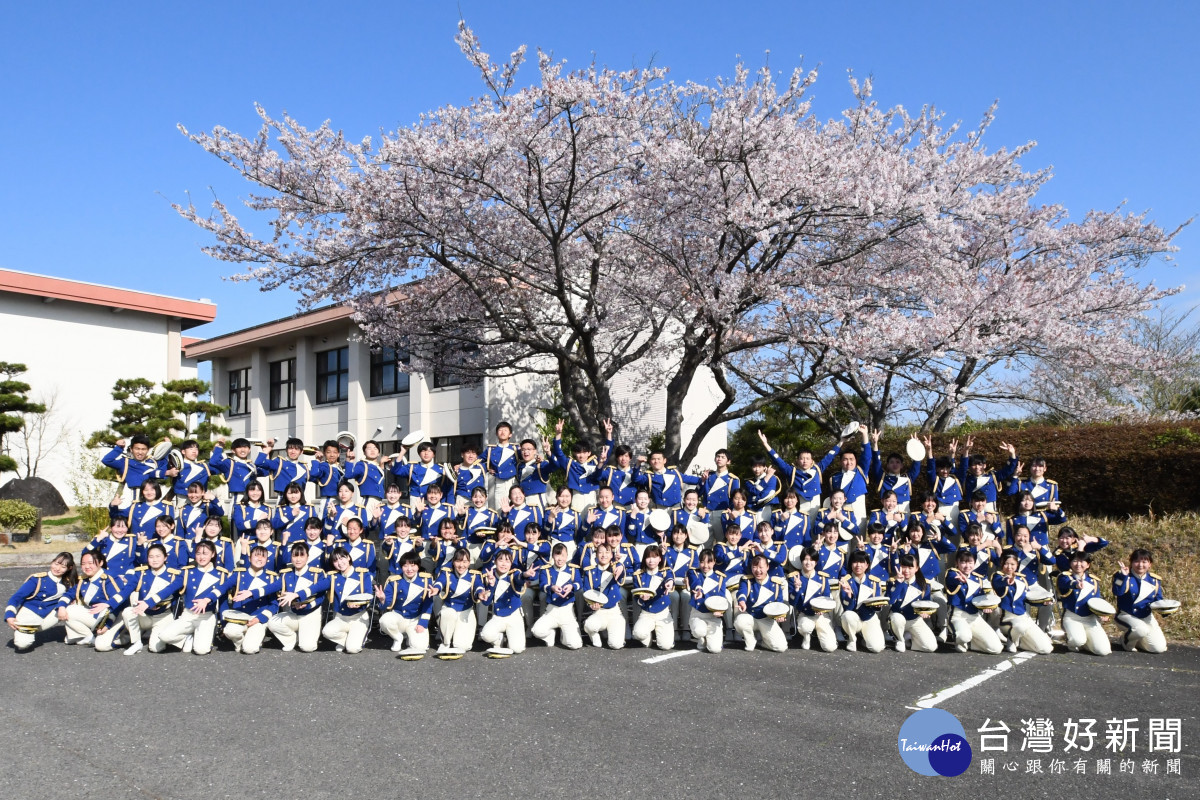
<point>92,94</point>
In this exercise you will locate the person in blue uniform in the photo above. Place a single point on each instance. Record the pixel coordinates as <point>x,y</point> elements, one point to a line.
<point>805,477</point>
<point>351,616</point>
<point>718,483</point>
<point>521,514</point>
<point>971,629</point>
<point>421,475</point>
<point>361,550</point>
<point>975,476</point>
<point>1081,626</point>
<point>987,519</point>
<point>117,547</point>
<point>467,476</point>
<point>238,470</point>
<point>290,516</point>
<point>582,469</point>
<point>327,474</point>
<point>851,478</point>
<point>753,594</point>
<point>807,585</point>
<point>302,592</point>
<point>618,476</point>
<point>705,581</point>
<point>502,591</point>
<point>135,468</point>
<point>385,517</point>
<point>606,513</point>
<point>192,471</point>
<point>143,514</point>
<point>680,559</point>
<point>1043,490</point>
<point>178,549</point>
<point>149,594</point>
<point>903,590</point>
<point>739,515</point>
<point>889,475</point>
<point>889,518</point>
<point>263,537</point>
<point>859,617</point>
<point>254,591</point>
<point>1038,522</point>
<point>564,524</point>
<point>664,483</point>
<point>459,587</point>
<point>369,475</point>
<point>605,575</point>
<point>762,488</point>
<point>86,609</point>
<point>225,552</point>
<point>652,587</point>
<point>406,606</point>
<point>284,470</point>
<point>559,581</point>
<point>500,461</point>
<point>1010,585</point>
<point>1135,587</point>
<point>34,606</point>
<point>203,585</point>
<point>1069,541</point>
<point>246,513</point>
<point>339,514</point>
<point>838,513</point>
<point>789,526</point>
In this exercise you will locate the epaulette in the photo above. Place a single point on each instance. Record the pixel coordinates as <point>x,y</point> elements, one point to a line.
<point>172,571</point>
<point>46,574</point>
<point>474,572</point>
<point>272,573</point>
<point>286,570</point>
<point>875,578</point>
<point>361,569</point>
<point>425,575</point>
<point>783,581</point>
<point>718,572</point>
<point>142,568</point>
<point>240,569</point>
<point>222,569</point>
<point>1156,577</point>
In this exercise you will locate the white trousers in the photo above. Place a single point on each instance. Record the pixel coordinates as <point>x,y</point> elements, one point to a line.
<point>245,638</point>
<point>80,623</point>
<point>1027,635</point>
<point>348,631</point>
<point>871,630</point>
<point>136,624</point>
<point>708,630</point>
<point>923,640</point>
<point>974,631</point>
<point>200,627</point>
<point>1144,634</point>
<point>659,624</point>
<point>296,630</point>
<point>498,493</point>
<point>1086,633</point>
<point>805,625</point>
<point>582,501</point>
<point>767,629</point>
<point>399,628</point>
<point>609,621</point>
<point>511,627</point>
<point>22,640</point>
<point>458,627</point>
<point>558,618</point>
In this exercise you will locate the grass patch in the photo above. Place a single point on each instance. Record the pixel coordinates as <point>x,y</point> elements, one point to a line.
<point>58,521</point>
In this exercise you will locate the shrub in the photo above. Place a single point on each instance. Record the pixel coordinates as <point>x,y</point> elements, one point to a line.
<point>17,515</point>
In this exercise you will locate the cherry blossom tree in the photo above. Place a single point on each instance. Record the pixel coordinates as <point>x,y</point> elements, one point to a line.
<point>603,222</point>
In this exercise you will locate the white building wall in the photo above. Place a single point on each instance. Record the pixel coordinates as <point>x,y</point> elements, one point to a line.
<point>76,352</point>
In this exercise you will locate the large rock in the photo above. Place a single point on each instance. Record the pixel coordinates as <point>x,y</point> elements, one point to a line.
<point>38,492</point>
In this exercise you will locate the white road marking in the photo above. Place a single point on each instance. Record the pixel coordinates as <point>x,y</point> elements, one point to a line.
<point>680,654</point>
<point>931,700</point>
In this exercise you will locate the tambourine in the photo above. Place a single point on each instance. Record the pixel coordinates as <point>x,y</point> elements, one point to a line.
<point>823,605</point>
<point>777,610</point>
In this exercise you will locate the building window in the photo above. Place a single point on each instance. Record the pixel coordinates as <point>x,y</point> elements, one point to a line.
<point>333,375</point>
<point>283,384</point>
<point>442,380</point>
<point>386,375</point>
<point>239,391</point>
<point>446,377</point>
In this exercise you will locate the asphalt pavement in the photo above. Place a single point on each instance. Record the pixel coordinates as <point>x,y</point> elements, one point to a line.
<point>590,723</point>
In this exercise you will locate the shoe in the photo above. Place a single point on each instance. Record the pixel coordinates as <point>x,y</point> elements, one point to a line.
<point>1011,647</point>
<point>961,647</point>
<point>89,639</point>
<point>852,645</point>
<point>1074,648</point>
<point>900,645</point>
<point>136,647</point>
<point>397,646</point>
<point>287,648</point>
<point>806,641</point>
<point>1057,633</point>
<point>342,648</point>
<point>596,642</point>
<point>187,644</point>
<point>1125,644</point>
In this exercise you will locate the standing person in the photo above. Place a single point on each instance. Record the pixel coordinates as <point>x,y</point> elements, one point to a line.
<point>664,483</point>
<point>717,484</point>
<point>1043,490</point>
<point>203,586</point>
<point>618,476</point>
<point>302,591</point>
<point>805,477</point>
<point>34,606</point>
<point>533,474</point>
<point>581,469</point>
<point>467,476</point>
<point>851,479</point>
<point>192,471</point>
<point>975,476</point>
<point>287,469</point>
<point>291,516</point>
<point>500,461</point>
<point>1038,522</point>
<point>327,475</point>
<point>889,474</point>
<point>238,470</point>
<point>1135,587</point>
<point>946,488</point>
<point>369,475</point>
<point>135,468</point>
<point>762,488</point>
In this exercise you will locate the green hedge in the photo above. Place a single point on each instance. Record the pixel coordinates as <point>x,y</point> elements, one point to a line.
<point>1103,470</point>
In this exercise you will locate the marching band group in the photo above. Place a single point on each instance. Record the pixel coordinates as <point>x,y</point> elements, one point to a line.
<point>486,549</point>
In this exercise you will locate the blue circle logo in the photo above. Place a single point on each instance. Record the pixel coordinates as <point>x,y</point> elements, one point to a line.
<point>933,742</point>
